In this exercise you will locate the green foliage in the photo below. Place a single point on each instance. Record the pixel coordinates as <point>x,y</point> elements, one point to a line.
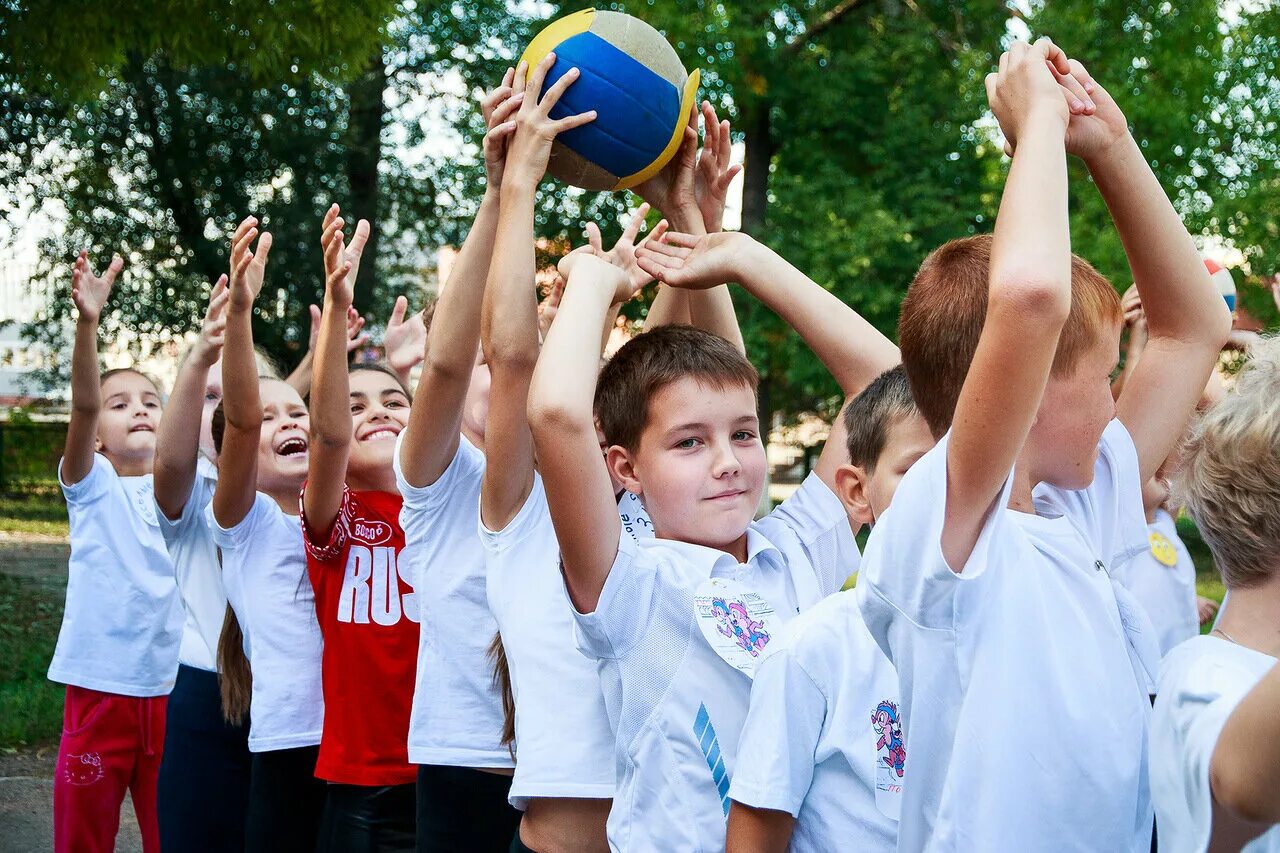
<point>30,704</point>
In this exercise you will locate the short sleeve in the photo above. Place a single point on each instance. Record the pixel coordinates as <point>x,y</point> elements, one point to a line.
<point>239,535</point>
<point>904,574</point>
<point>819,521</point>
<point>326,546</point>
<point>1110,510</point>
<point>779,742</point>
<point>533,514</point>
<point>625,608</point>
<point>94,485</point>
<point>193,509</point>
<point>467,466</point>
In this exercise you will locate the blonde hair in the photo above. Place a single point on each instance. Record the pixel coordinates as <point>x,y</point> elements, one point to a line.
<point>1230,476</point>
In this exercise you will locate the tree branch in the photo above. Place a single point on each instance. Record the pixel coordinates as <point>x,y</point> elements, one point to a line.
<point>825,21</point>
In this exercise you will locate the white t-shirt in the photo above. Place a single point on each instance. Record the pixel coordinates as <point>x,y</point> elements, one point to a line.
<point>1026,680</point>
<point>195,563</point>
<point>122,623</point>
<point>563,739</point>
<point>676,701</point>
<point>264,570</point>
<point>823,739</point>
<point>1163,580</point>
<point>457,711</point>
<point>1201,683</point>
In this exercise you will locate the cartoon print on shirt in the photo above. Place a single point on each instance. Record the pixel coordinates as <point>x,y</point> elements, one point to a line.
<point>83,769</point>
<point>733,621</point>
<point>890,748</point>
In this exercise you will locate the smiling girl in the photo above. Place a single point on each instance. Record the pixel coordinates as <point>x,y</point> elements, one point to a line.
<point>365,602</point>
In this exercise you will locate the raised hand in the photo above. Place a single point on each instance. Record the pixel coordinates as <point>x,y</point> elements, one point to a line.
<point>672,191</point>
<point>549,306</point>
<point>1131,305</point>
<point>247,266</point>
<point>586,262</point>
<point>715,171</point>
<point>1206,609</point>
<point>623,253</point>
<point>529,150</point>
<point>356,336</point>
<point>1092,133</point>
<point>404,340</point>
<point>690,261</point>
<point>89,291</point>
<point>341,262</point>
<point>497,107</point>
<point>208,346</point>
<point>1025,87</point>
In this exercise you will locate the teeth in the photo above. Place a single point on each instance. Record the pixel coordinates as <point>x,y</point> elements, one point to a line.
<point>292,447</point>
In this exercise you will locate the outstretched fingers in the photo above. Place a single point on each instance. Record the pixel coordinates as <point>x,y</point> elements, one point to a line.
<point>632,231</point>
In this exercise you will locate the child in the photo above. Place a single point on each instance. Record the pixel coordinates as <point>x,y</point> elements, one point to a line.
<point>456,728</point>
<point>1215,770</point>
<point>260,432</point>
<point>678,411</point>
<point>365,601</point>
<point>117,650</point>
<point>822,755</point>
<point>1024,669</point>
<point>564,774</point>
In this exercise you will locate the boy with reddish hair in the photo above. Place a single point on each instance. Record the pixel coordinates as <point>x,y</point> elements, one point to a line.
<point>1025,667</point>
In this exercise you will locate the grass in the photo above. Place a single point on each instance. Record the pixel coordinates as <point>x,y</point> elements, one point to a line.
<point>38,508</point>
<point>30,704</point>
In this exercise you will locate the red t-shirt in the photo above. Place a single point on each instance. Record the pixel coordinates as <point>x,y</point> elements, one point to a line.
<point>368,616</point>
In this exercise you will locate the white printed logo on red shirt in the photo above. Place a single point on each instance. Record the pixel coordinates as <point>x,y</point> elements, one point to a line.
<point>371,581</point>
<point>370,532</point>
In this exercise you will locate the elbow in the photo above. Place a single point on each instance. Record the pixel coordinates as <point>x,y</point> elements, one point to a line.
<point>554,417</point>
<point>511,359</point>
<point>1239,790</point>
<point>438,369</point>
<point>1040,302</point>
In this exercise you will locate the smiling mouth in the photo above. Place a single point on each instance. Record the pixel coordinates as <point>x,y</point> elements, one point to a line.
<point>143,428</point>
<point>727,495</point>
<point>292,447</point>
<point>380,434</point>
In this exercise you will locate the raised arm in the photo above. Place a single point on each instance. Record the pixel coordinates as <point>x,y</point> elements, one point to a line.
<point>300,377</point>
<point>1187,321</point>
<point>435,421</point>
<point>404,341</point>
<point>330,387</point>
<point>241,403</point>
<point>178,436</point>
<point>89,292</point>
<point>1244,773</point>
<point>561,417</point>
<point>1029,297</point>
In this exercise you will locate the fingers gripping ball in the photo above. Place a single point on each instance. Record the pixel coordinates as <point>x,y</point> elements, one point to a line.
<point>1222,279</point>
<point>636,84</point>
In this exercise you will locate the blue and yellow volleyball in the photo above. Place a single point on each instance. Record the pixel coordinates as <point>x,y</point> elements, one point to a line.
<point>634,81</point>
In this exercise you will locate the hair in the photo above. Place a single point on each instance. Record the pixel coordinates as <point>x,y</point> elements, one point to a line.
<point>379,367</point>
<point>502,682</point>
<point>115,371</point>
<point>1230,477</point>
<point>944,311</point>
<point>870,415</point>
<point>651,361</point>
<point>235,678</point>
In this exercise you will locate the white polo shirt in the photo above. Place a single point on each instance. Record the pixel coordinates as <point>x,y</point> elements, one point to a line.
<point>823,737</point>
<point>1032,667</point>
<point>457,712</point>
<point>676,630</point>
<point>1163,580</point>
<point>122,622</point>
<point>199,575</point>
<point>264,567</point>
<point>1201,683</point>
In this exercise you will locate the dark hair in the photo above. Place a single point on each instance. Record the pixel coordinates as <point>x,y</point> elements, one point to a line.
<point>218,427</point>
<point>379,367</point>
<point>235,678</point>
<point>651,361</point>
<point>502,682</point>
<point>871,414</point>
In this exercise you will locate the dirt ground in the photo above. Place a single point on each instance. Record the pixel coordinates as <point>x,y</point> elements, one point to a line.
<point>26,775</point>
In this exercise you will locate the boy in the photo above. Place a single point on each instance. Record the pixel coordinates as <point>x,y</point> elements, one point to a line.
<point>117,649</point>
<point>678,622</point>
<point>1024,669</point>
<point>1215,738</point>
<point>822,755</point>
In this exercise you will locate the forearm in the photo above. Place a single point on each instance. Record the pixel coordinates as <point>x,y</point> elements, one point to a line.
<point>300,378</point>
<point>451,345</point>
<point>86,403</point>
<point>509,325</point>
<point>752,830</point>
<point>564,381</point>
<point>178,438</point>
<point>670,306</point>
<point>330,385</point>
<point>853,350</point>
<point>241,403</point>
<point>712,311</point>
<point>1179,300</point>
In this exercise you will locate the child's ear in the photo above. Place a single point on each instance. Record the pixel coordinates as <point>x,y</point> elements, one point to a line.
<point>851,488</point>
<point>623,469</point>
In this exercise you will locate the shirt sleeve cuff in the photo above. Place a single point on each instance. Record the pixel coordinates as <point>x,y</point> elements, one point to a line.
<point>593,628</point>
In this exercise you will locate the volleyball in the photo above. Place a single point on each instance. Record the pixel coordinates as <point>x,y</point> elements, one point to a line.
<point>634,81</point>
<point>1223,281</point>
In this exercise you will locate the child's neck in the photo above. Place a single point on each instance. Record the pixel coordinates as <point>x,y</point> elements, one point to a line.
<point>372,481</point>
<point>736,549</point>
<point>1251,617</point>
<point>286,498</point>
<point>129,467</point>
<point>1020,499</point>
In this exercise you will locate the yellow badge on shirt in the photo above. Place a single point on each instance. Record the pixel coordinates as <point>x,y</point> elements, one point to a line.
<point>1162,549</point>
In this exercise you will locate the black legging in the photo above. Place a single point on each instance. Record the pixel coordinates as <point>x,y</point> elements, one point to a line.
<point>286,801</point>
<point>367,819</point>
<point>464,809</point>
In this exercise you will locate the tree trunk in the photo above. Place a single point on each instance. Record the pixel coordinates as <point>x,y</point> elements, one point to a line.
<point>366,115</point>
<point>760,146</point>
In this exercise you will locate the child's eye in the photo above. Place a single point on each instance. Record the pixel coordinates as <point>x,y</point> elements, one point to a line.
<point>744,435</point>
<point>395,404</point>
<point>688,444</point>
<point>211,398</point>
<point>356,409</point>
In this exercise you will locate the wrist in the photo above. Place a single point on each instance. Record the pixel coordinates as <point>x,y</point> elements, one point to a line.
<point>87,321</point>
<point>519,181</point>
<point>1114,158</point>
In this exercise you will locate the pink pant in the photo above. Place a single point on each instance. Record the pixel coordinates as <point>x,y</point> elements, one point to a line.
<point>110,744</point>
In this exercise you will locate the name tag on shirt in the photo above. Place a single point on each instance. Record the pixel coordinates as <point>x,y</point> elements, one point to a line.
<point>735,620</point>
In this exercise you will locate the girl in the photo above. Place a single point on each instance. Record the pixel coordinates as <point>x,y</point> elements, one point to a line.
<point>260,433</point>
<point>364,602</point>
<point>117,650</point>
